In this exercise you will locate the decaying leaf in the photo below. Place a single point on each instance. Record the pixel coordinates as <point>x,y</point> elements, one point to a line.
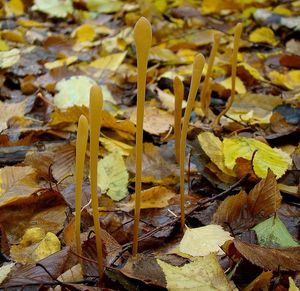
<point>203,273</point>
<point>270,258</point>
<point>9,58</point>
<point>263,35</point>
<point>54,8</point>
<point>113,176</point>
<point>35,245</point>
<point>202,241</point>
<point>260,282</point>
<point>154,167</point>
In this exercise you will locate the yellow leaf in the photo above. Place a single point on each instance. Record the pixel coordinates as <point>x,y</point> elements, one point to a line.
<point>202,241</point>
<point>216,6</point>
<point>203,274</point>
<point>265,156</point>
<point>14,7</point>
<point>9,58</point>
<point>85,32</point>
<point>113,145</point>
<point>292,284</point>
<point>30,23</point>
<point>155,197</point>
<point>213,147</point>
<point>289,80</point>
<point>239,85</point>
<point>62,62</point>
<point>113,176</point>
<point>252,71</point>
<point>4,271</point>
<point>13,35</point>
<point>111,62</point>
<point>104,6</point>
<point>263,35</point>
<point>35,245</point>
<point>3,46</point>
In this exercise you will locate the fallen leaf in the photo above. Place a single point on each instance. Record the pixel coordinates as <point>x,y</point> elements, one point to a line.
<point>111,62</point>
<point>35,245</point>
<point>263,35</point>
<point>265,157</point>
<point>54,8</point>
<point>270,258</point>
<point>292,284</point>
<point>85,32</point>
<point>14,7</point>
<point>242,211</point>
<point>155,168</point>
<point>104,6</point>
<point>213,147</point>
<point>113,176</point>
<point>113,145</point>
<point>272,232</point>
<point>4,271</point>
<point>202,241</point>
<point>155,197</point>
<point>260,282</point>
<point>289,80</point>
<point>203,273</point>
<point>16,182</point>
<point>9,58</point>
<point>239,85</point>
<point>156,121</point>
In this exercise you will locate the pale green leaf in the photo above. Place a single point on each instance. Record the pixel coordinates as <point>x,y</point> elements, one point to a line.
<point>113,176</point>
<point>104,6</point>
<point>202,241</point>
<point>272,232</point>
<point>203,274</point>
<point>54,8</point>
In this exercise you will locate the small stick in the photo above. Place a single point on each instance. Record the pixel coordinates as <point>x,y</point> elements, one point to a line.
<point>205,97</point>
<point>81,142</point>
<point>96,102</point>
<point>236,42</point>
<point>178,92</point>
<point>195,82</point>
<point>143,38</point>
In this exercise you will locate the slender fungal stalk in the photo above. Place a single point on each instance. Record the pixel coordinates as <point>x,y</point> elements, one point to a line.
<point>81,142</point>
<point>205,97</point>
<point>236,43</point>
<point>178,92</point>
<point>96,102</point>
<point>195,82</point>
<point>143,39</point>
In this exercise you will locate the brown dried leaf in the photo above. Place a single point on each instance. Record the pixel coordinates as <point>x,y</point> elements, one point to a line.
<point>146,269</point>
<point>9,110</point>
<point>244,167</point>
<point>261,282</point>
<point>264,199</point>
<point>270,258</point>
<point>242,212</point>
<point>16,182</point>
<point>154,167</point>
<point>45,208</point>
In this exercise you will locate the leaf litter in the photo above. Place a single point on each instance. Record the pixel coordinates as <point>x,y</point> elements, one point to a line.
<point>241,177</point>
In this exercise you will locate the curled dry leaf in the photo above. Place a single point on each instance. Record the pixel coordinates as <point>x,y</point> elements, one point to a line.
<point>261,282</point>
<point>270,258</point>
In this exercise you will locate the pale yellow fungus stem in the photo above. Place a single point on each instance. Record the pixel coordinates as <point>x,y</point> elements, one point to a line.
<point>236,43</point>
<point>96,102</point>
<point>81,142</point>
<point>205,96</point>
<point>178,92</point>
<point>195,82</point>
<point>143,39</point>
